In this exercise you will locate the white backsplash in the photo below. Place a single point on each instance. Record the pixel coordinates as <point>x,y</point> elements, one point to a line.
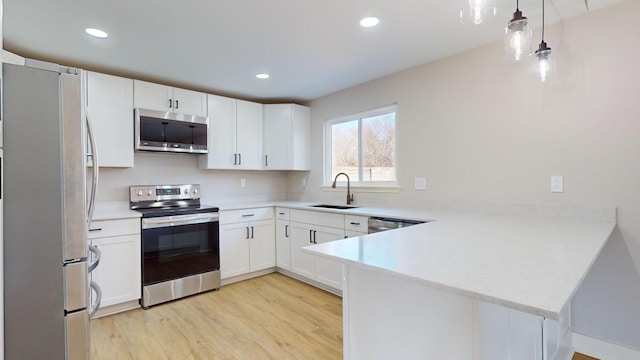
<point>217,186</point>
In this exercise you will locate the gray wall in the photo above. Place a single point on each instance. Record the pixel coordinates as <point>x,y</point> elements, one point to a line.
<point>479,129</point>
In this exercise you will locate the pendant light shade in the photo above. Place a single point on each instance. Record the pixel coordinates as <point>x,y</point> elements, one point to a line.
<point>476,12</point>
<point>517,41</point>
<point>544,56</point>
<point>545,61</point>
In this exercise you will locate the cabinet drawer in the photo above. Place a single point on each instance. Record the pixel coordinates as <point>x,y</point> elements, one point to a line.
<point>108,228</point>
<point>318,218</point>
<point>244,215</point>
<point>356,223</point>
<point>282,213</point>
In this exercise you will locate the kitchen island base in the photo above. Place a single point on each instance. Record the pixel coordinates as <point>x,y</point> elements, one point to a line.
<point>388,317</point>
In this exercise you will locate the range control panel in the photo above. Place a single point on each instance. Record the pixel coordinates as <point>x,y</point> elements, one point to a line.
<point>163,192</point>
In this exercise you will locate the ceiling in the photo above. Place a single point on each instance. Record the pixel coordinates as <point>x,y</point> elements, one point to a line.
<point>310,48</point>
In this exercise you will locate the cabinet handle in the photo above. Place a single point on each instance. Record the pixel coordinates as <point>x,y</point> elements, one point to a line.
<point>98,229</point>
<point>266,160</point>
<point>311,236</point>
<point>281,214</point>
<point>248,215</point>
<point>355,223</point>
<point>170,103</point>
<point>286,231</point>
<point>239,159</point>
<point>314,237</point>
<point>177,104</point>
<point>247,232</point>
<point>252,232</point>
<point>235,159</point>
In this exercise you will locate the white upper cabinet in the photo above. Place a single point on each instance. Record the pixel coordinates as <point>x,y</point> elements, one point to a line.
<point>287,132</point>
<point>235,134</point>
<point>110,107</point>
<point>166,98</point>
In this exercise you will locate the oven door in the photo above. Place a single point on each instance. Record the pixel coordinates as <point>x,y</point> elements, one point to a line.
<point>178,246</point>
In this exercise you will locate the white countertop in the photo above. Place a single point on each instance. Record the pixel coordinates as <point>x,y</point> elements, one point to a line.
<point>531,264</point>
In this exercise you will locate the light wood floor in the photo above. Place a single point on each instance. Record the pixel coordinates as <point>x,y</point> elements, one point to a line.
<point>270,317</point>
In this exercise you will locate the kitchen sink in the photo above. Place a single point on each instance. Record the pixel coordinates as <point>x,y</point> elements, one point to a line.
<point>337,207</point>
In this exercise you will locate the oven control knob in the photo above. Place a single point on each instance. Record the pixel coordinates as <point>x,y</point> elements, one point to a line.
<point>140,193</point>
<point>149,192</point>
<point>186,192</point>
<point>195,191</point>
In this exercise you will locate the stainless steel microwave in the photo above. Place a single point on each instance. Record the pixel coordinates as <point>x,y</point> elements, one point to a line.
<point>170,132</point>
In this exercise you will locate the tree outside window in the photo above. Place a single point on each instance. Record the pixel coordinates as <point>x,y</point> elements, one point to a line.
<point>364,147</point>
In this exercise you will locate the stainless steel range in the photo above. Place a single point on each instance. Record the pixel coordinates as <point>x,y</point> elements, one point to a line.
<point>180,242</point>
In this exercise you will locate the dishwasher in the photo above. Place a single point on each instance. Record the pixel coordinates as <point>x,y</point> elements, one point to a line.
<point>378,224</point>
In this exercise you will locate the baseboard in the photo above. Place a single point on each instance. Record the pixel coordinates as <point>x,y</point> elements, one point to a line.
<point>114,309</point>
<point>322,286</point>
<point>602,349</point>
<point>248,276</point>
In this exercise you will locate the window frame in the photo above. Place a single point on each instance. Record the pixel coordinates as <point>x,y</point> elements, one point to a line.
<point>375,186</point>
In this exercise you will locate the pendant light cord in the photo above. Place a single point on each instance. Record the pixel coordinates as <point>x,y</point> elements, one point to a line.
<point>543,20</point>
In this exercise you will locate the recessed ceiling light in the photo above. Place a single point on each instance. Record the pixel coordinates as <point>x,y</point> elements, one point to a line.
<point>97,33</point>
<point>262,76</point>
<point>369,22</point>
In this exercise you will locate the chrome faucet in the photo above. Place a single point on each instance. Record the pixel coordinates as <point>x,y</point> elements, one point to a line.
<point>349,194</point>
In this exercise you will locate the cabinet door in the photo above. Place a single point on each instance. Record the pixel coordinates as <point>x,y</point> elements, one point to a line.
<point>152,96</point>
<point>327,271</point>
<point>249,135</point>
<point>110,107</point>
<point>277,137</point>
<point>118,273</point>
<point>508,334</point>
<point>301,138</point>
<point>222,115</point>
<point>262,252</point>
<point>234,249</point>
<point>189,102</point>
<point>301,263</point>
<point>283,244</point>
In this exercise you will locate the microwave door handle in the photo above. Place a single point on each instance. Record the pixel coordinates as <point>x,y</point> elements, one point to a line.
<point>94,156</point>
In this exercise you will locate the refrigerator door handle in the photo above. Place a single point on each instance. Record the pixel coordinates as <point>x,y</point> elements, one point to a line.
<point>96,305</point>
<point>98,254</point>
<point>94,155</point>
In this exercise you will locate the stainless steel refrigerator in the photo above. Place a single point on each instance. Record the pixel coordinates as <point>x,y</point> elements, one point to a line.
<point>46,271</point>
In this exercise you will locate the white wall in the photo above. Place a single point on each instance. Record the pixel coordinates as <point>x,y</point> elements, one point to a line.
<point>217,186</point>
<point>479,129</point>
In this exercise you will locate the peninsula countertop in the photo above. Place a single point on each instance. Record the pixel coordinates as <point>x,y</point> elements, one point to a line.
<point>531,264</point>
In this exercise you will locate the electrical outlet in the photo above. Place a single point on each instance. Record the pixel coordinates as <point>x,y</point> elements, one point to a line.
<point>557,184</point>
<point>304,181</point>
<point>420,184</point>
<point>243,182</point>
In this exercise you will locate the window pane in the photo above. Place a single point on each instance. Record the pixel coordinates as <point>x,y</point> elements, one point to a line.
<point>379,147</point>
<point>344,149</point>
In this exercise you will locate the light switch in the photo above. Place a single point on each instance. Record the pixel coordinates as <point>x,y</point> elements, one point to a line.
<point>420,184</point>
<point>243,182</point>
<point>557,184</point>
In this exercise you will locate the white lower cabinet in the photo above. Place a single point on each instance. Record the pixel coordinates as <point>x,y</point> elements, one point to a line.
<point>283,239</point>
<point>308,228</point>
<point>247,241</point>
<point>509,334</point>
<point>118,273</point>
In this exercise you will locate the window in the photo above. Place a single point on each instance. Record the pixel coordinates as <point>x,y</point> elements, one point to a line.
<point>364,147</point>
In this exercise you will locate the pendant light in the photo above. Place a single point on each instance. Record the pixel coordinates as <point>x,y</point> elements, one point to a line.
<point>476,12</point>
<point>517,42</point>
<point>544,56</point>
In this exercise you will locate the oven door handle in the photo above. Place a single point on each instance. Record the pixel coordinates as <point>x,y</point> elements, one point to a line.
<point>168,221</point>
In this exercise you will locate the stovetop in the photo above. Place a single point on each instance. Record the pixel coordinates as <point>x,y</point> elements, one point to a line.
<point>167,200</point>
<point>176,210</point>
